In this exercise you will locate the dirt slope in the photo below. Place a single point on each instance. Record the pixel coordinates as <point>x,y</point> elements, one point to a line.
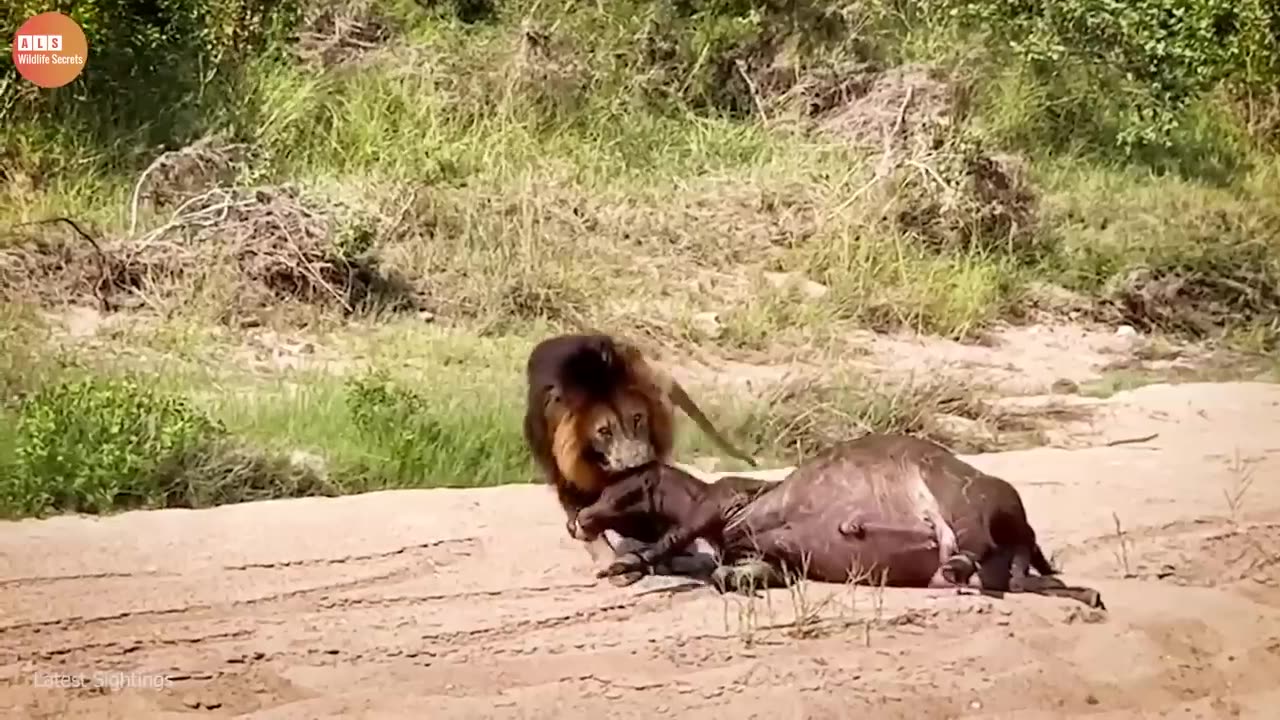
<point>458,604</point>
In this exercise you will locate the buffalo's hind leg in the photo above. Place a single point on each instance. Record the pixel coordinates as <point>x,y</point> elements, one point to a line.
<point>746,576</point>
<point>755,565</point>
<point>1021,581</point>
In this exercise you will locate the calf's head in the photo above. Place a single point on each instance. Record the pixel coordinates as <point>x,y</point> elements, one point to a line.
<point>625,499</point>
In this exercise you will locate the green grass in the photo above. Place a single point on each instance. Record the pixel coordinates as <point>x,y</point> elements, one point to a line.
<point>416,409</point>
<point>530,166</point>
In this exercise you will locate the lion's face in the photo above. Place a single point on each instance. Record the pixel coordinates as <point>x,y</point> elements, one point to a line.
<point>620,433</point>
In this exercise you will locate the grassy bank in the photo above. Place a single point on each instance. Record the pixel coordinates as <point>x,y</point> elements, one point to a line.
<point>90,434</point>
<point>744,177</point>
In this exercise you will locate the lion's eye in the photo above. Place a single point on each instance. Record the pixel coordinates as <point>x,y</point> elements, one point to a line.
<point>605,431</point>
<point>636,419</point>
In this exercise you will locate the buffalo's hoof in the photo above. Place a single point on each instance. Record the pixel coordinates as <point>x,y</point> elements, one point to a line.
<point>625,579</point>
<point>721,578</point>
<point>747,577</point>
<point>959,569</point>
<point>625,570</point>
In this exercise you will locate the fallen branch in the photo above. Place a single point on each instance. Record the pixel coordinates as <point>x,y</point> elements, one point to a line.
<point>104,266</point>
<point>751,87</point>
<point>1128,441</point>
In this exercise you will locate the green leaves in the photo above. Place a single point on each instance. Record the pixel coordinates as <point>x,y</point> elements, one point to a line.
<point>1160,54</point>
<point>94,444</point>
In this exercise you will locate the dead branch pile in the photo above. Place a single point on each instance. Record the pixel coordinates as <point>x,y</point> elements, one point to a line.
<point>937,186</point>
<point>338,32</point>
<point>244,251</point>
<point>1196,301</point>
<point>177,176</point>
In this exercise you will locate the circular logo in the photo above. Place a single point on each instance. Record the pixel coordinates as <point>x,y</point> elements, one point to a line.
<point>50,50</point>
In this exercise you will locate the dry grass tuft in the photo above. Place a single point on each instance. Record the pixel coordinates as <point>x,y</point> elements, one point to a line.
<point>802,417</point>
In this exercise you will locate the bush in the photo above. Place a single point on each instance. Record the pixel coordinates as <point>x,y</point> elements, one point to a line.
<point>94,445</point>
<point>184,56</point>
<point>457,439</point>
<point>1141,62</point>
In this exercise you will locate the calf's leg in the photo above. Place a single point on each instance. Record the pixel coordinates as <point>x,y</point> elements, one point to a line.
<point>645,560</point>
<point>690,562</point>
<point>593,525</point>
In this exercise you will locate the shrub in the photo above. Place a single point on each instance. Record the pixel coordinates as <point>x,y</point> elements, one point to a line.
<point>1142,62</point>
<point>184,56</point>
<point>95,444</point>
<point>456,438</point>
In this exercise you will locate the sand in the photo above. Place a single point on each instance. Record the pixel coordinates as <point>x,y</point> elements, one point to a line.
<point>475,604</point>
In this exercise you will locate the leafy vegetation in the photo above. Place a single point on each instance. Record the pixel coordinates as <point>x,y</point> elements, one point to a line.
<point>95,444</point>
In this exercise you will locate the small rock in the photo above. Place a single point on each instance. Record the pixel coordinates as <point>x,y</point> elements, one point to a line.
<point>975,705</point>
<point>308,462</point>
<point>808,288</point>
<point>235,660</point>
<point>707,463</point>
<point>1088,616</point>
<point>1063,386</point>
<point>191,701</point>
<point>1126,331</point>
<point>212,705</point>
<point>708,324</point>
<point>332,651</point>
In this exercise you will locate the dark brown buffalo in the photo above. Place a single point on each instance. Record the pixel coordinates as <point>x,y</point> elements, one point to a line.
<point>890,509</point>
<point>724,513</point>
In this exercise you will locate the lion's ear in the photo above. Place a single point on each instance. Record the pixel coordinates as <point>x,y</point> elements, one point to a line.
<point>605,350</point>
<point>551,396</point>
